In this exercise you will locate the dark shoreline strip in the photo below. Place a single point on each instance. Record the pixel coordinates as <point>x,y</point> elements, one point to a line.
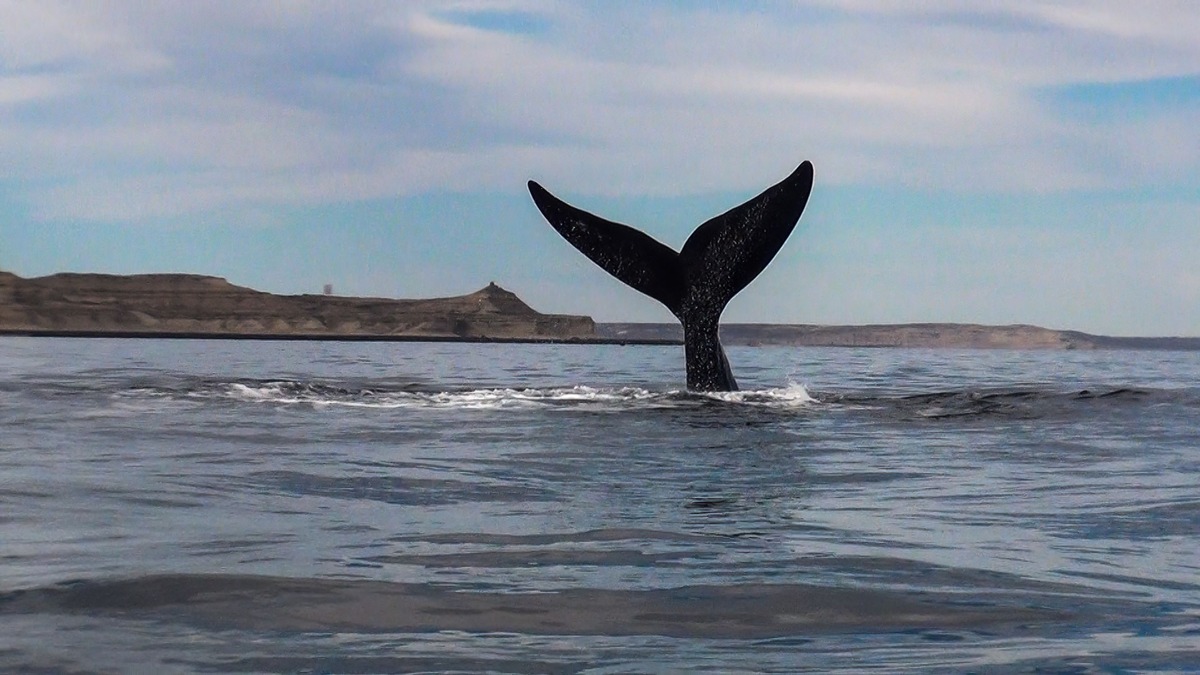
<point>328,337</point>
<point>1101,342</point>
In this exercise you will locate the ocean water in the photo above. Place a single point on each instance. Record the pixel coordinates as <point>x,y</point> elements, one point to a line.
<point>219,506</point>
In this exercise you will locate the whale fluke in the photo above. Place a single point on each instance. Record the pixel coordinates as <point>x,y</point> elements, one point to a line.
<point>718,260</point>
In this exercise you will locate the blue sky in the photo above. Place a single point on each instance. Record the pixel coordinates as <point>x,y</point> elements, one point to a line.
<point>1022,162</point>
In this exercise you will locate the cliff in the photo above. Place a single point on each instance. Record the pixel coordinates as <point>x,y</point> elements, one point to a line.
<point>201,305</point>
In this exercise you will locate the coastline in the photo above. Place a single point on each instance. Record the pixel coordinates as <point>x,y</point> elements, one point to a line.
<point>739,338</point>
<point>331,337</point>
<point>198,307</point>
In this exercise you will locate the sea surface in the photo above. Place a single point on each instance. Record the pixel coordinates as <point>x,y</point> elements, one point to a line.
<point>174,506</point>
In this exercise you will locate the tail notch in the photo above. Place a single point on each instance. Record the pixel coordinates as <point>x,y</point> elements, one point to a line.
<point>719,259</point>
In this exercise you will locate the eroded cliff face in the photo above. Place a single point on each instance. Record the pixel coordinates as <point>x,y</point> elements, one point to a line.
<point>184,303</point>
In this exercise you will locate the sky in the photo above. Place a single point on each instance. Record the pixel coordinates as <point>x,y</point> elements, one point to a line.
<point>1032,161</point>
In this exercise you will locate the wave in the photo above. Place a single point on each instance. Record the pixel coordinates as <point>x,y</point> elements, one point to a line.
<point>1035,401</point>
<point>1010,403</point>
<point>324,394</point>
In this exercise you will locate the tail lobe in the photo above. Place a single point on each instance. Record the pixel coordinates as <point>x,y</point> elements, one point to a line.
<point>630,255</point>
<point>718,260</point>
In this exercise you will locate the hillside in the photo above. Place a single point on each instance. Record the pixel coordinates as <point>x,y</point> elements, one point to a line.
<point>913,335</point>
<point>177,304</point>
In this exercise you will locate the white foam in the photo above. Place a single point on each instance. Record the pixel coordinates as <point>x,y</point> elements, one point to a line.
<point>794,395</point>
<point>266,392</point>
<point>567,398</point>
<point>134,404</point>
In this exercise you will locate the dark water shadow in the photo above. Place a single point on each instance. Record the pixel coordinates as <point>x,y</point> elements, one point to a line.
<point>387,664</point>
<point>1005,403</point>
<point>399,490</point>
<point>333,605</point>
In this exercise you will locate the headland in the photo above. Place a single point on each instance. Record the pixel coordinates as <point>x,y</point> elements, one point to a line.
<point>197,306</point>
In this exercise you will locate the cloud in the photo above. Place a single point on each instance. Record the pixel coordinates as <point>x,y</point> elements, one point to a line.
<point>120,111</point>
<point>80,37</point>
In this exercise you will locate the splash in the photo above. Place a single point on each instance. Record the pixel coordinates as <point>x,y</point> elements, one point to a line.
<point>792,395</point>
<point>579,397</point>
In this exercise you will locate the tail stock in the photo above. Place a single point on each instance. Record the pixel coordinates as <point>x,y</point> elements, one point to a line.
<point>718,260</point>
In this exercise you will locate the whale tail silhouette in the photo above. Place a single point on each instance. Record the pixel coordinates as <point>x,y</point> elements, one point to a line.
<point>718,260</point>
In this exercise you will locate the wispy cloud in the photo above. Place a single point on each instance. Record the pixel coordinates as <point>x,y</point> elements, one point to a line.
<point>113,110</point>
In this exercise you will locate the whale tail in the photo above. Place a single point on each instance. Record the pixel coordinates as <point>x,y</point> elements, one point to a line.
<point>718,260</point>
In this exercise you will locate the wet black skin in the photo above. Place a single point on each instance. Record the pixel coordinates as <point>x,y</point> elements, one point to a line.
<point>718,260</point>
